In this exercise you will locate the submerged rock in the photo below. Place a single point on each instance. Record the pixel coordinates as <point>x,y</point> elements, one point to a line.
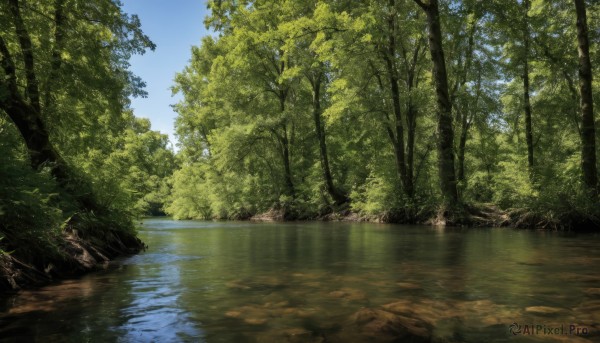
<point>237,284</point>
<point>348,294</point>
<point>383,326</point>
<point>290,335</point>
<point>408,285</point>
<point>592,292</point>
<point>265,283</point>
<point>543,310</point>
<point>588,312</point>
<point>255,321</point>
<point>270,311</point>
<point>427,310</point>
<point>233,314</point>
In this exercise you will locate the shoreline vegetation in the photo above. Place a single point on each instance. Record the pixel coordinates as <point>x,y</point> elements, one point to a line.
<point>472,216</point>
<point>479,215</point>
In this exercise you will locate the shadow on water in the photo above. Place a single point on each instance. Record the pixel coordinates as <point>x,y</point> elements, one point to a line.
<point>323,282</point>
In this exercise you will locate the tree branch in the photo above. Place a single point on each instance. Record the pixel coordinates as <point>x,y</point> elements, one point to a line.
<point>422,4</point>
<point>27,50</point>
<point>9,67</point>
<point>56,51</point>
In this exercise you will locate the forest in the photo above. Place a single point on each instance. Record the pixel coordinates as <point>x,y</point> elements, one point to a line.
<point>456,112</point>
<point>408,111</point>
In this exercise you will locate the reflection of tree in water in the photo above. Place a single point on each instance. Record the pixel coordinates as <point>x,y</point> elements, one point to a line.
<point>454,265</point>
<point>454,282</point>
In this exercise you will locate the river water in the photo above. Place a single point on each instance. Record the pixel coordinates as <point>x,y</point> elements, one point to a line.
<point>312,282</point>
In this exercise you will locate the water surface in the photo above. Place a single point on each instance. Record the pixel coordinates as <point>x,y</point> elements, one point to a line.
<point>308,282</point>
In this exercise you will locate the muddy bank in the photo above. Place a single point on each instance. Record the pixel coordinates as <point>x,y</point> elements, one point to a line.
<point>77,255</point>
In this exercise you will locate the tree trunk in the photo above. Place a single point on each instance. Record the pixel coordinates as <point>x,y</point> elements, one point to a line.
<point>337,196</point>
<point>527,107</point>
<point>526,101</point>
<point>36,137</point>
<point>411,119</point>
<point>462,144</point>
<point>464,113</point>
<point>56,62</point>
<point>285,147</point>
<point>26,114</point>
<point>398,130</point>
<point>588,131</point>
<point>445,142</point>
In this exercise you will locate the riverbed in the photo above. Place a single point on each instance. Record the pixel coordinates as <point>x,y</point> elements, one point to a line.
<point>205,281</point>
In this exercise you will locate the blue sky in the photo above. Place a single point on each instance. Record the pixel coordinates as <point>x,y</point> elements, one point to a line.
<point>174,26</point>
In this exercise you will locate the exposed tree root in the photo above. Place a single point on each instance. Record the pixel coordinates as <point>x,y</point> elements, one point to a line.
<point>554,220</point>
<point>480,215</point>
<point>78,256</point>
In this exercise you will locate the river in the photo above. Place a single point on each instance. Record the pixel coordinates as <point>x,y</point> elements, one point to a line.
<point>312,282</point>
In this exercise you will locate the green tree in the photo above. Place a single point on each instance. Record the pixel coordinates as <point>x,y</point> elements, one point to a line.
<point>63,112</point>
<point>588,132</point>
<point>46,75</point>
<point>300,105</point>
<point>445,144</point>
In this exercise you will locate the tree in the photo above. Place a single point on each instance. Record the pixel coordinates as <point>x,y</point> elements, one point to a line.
<point>25,109</point>
<point>379,70</point>
<point>344,88</point>
<point>300,35</point>
<point>588,132</point>
<point>268,76</point>
<point>445,140</point>
<point>526,96</point>
<point>64,122</point>
<point>44,74</point>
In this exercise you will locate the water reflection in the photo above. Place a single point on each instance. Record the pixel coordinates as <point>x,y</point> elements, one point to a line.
<point>317,282</point>
<point>155,312</point>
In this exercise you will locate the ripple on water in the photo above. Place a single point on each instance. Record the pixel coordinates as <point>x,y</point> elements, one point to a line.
<point>155,314</point>
<point>159,325</point>
<point>159,258</point>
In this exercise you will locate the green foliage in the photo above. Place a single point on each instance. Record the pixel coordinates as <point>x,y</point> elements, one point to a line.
<point>189,196</point>
<point>30,203</point>
<point>102,165</point>
<point>248,104</point>
<point>132,174</point>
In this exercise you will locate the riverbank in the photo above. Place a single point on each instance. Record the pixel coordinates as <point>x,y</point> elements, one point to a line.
<point>479,215</point>
<point>485,215</point>
<point>75,254</point>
